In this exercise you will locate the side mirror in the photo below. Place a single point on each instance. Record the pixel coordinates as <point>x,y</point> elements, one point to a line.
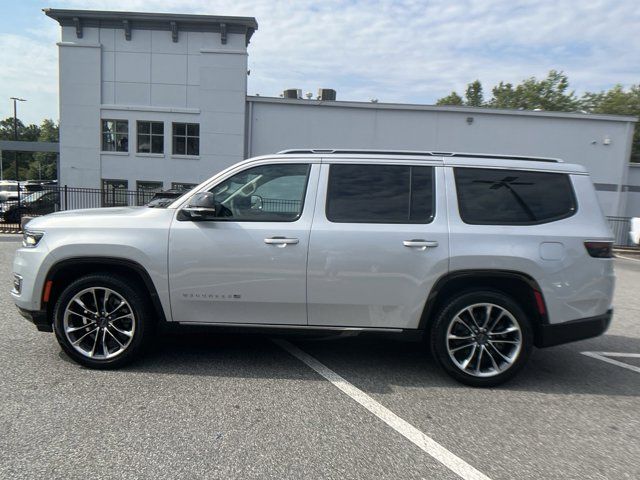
<point>256,202</point>
<point>201,206</point>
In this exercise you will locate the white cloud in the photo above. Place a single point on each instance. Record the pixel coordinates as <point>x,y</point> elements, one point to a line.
<point>404,51</point>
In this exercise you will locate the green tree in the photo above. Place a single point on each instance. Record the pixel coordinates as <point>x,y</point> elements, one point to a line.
<point>31,165</point>
<point>452,99</point>
<point>549,94</point>
<point>474,95</point>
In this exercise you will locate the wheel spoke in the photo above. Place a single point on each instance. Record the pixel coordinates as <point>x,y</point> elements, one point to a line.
<point>506,330</point>
<point>105,351</point>
<point>493,361</point>
<point>128,315</point>
<point>95,344</point>
<point>467,360</point>
<point>504,357</point>
<point>82,304</point>
<point>513,342</point>
<point>122,304</point>
<point>104,300</point>
<point>77,342</point>
<point>95,300</point>
<point>457,337</point>
<point>458,319</point>
<point>495,322</point>
<point>462,347</point>
<point>488,309</point>
<point>120,331</point>
<point>76,329</point>
<point>473,317</point>
<point>114,337</point>
<point>479,364</point>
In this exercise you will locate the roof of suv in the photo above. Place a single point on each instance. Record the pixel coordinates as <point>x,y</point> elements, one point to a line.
<point>446,158</point>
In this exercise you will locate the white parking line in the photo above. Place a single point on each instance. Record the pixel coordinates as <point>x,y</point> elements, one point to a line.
<point>422,441</point>
<point>627,258</point>
<point>604,356</point>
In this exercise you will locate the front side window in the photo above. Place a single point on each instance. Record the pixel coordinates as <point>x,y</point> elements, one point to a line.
<point>186,139</point>
<point>380,194</point>
<point>268,193</point>
<point>512,197</point>
<point>150,137</point>
<point>115,135</point>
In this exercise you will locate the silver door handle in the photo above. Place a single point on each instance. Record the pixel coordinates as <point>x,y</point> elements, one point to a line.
<point>421,244</point>
<point>281,241</point>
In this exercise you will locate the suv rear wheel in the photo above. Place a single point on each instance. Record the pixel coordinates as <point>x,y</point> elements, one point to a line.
<point>101,322</point>
<point>482,338</point>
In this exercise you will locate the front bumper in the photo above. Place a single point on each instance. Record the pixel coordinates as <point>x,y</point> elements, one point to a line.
<point>574,330</point>
<point>39,318</point>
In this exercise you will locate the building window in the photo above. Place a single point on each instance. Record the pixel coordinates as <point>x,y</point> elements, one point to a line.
<point>115,135</point>
<point>146,190</point>
<point>114,193</point>
<point>182,186</point>
<point>150,137</point>
<point>186,139</point>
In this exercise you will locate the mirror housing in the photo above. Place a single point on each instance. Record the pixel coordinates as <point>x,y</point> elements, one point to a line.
<point>202,206</point>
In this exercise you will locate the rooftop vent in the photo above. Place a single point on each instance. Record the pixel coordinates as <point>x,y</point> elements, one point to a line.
<point>327,94</point>
<point>294,93</point>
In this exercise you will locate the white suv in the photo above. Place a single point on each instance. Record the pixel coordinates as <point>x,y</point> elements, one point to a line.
<point>483,256</point>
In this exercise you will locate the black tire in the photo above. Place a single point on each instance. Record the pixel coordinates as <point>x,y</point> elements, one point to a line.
<point>440,332</point>
<point>138,305</point>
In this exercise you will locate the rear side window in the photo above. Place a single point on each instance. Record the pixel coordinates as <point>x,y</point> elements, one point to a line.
<point>380,194</point>
<point>513,197</point>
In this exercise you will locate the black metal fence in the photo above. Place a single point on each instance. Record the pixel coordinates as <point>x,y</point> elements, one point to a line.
<point>53,198</point>
<point>620,227</point>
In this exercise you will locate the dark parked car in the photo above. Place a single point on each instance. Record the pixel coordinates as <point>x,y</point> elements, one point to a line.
<point>162,199</point>
<point>38,203</point>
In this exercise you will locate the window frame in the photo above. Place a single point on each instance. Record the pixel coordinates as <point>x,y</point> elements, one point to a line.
<point>115,134</point>
<point>429,220</point>
<point>104,192</point>
<point>186,137</point>
<point>567,177</point>
<point>302,201</point>
<point>150,135</point>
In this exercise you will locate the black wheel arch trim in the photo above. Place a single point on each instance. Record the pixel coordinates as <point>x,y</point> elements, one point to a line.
<point>117,262</point>
<point>428,311</point>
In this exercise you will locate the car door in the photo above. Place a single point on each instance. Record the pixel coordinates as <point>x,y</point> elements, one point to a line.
<point>247,265</point>
<point>378,244</point>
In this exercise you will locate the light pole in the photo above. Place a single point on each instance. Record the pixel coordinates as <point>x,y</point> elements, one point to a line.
<point>15,133</point>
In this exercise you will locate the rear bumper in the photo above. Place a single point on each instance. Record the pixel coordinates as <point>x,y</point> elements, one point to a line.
<point>38,318</point>
<point>574,330</point>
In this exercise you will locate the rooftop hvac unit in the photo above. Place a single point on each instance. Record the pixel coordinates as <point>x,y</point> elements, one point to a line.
<point>326,94</point>
<point>293,93</point>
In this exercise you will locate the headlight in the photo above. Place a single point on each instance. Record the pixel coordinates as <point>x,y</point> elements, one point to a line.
<point>31,239</point>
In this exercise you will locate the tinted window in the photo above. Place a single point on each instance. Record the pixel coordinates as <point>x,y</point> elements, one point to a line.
<point>268,193</point>
<point>513,197</point>
<point>380,194</point>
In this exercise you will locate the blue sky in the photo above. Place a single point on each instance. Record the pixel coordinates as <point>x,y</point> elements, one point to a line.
<point>412,51</point>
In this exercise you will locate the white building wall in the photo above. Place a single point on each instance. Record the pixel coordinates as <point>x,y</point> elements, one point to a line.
<point>599,144</point>
<point>149,77</point>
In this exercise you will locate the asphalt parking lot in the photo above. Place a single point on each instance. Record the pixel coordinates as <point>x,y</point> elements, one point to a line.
<point>231,406</point>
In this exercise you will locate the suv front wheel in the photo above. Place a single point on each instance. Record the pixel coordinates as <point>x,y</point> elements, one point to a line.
<point>100,321</point>
<point>482,338</point>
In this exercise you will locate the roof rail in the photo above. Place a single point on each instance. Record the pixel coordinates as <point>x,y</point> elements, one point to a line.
<point>332,151</point>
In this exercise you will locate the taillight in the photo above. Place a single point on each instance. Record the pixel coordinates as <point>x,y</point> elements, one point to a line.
<point>599,249</point>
